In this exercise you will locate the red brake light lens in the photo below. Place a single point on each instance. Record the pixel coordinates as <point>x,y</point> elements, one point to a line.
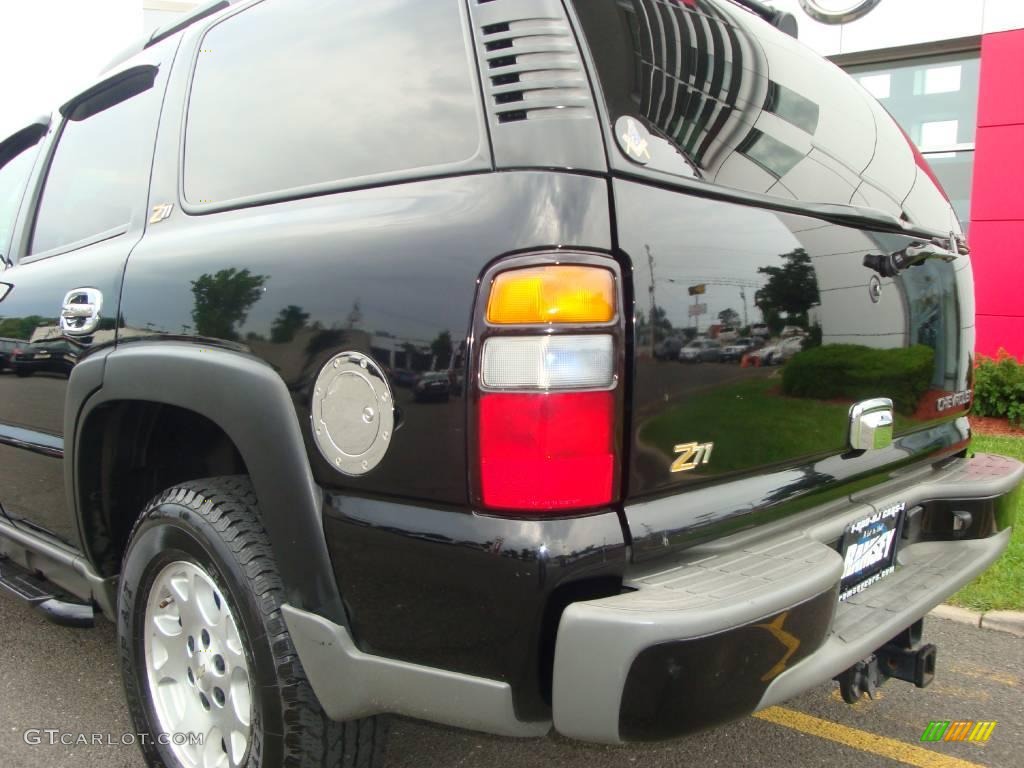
<point>548,397</point>
<point>546,452</point>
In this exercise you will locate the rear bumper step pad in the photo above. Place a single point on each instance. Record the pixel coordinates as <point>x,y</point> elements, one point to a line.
<point>775,591</point>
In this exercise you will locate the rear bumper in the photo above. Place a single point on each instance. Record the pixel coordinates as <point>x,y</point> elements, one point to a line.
<point>752,620</point>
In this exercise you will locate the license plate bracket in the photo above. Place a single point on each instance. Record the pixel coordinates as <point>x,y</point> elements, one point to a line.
<point>869,549</point>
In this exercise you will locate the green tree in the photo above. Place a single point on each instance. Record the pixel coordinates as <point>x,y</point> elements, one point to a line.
<point>441,348</point>
<point>729,318</point>
<point>22,327</point>
<point>290,321</point>
<point>222,301</point>
<point>791,290</point>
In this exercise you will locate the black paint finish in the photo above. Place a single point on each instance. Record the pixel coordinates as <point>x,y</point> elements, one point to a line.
<point>466,592</point>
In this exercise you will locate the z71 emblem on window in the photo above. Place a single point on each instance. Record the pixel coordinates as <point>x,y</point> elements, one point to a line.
<point>691,455</point>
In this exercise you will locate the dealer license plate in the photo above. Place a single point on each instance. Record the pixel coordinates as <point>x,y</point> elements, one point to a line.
<point>869,550</point>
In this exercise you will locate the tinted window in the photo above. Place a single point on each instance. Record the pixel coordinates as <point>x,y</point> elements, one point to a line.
<point>292,94</point>
<point>13,177</point>
<point>713,89</point>
<point>100,170</point>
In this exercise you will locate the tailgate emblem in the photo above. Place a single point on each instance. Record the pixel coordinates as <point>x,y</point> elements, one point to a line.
<point>691,455</point>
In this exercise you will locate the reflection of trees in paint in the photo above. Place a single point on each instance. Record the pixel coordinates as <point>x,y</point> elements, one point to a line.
<point>729,318</point>
<point>289,321</point>
<point>791,291</point>
<point>441,347</point>
<point>222,301</point>
<point>662,325</point>
<point>21,328</point>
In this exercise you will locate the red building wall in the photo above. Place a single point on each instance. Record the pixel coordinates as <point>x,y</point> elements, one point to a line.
<point>997,201</point>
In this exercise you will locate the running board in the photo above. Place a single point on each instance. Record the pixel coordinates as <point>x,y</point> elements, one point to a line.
<point>44,596</point>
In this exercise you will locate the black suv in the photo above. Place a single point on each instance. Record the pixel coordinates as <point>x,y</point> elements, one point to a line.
<point>259,231</point>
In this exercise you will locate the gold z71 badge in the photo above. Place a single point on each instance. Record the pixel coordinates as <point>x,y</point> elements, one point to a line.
<point>691,455</point>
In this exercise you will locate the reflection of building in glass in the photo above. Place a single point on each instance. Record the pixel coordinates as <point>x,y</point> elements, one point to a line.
<point>695,77</point>
<point>756,111</point>
<point>952,85</point>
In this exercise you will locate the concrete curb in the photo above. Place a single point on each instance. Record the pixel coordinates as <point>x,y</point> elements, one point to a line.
<point>1011,622</point>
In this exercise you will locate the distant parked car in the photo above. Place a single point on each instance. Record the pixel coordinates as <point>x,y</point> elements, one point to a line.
<point>701,351</point>
<point>787,348</point>
<point>432,386</point>
<point>55,356</point>
<point>737,349</point>
<point>402,377</point>
<point>778,352</point>
<point>668,349</point>
<point>761,330</point>
<point>7,347</point>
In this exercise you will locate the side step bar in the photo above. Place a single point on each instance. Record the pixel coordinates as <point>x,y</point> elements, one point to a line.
<point>44,596</point>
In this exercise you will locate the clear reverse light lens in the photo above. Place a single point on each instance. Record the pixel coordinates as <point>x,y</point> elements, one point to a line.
<point>548,362</point>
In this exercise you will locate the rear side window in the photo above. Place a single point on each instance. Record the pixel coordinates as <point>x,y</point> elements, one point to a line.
<point>100,170</point>
<point>290,95</point>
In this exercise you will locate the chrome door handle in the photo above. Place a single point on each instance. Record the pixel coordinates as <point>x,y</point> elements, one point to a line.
<point>80,312</point>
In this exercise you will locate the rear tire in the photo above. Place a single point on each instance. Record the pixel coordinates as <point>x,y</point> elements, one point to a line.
<point>204,648</point>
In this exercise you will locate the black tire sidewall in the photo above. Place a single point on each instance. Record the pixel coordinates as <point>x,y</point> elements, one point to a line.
<point>172,532</point>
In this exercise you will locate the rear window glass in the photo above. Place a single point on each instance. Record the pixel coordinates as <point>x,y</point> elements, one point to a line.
<point>706,89</point>
<point>288,95</point>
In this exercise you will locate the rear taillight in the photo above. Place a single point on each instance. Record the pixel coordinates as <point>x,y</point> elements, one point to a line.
<point>547,375</point>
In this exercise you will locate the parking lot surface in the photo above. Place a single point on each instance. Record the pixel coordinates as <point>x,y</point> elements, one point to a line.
<point>67,679</point>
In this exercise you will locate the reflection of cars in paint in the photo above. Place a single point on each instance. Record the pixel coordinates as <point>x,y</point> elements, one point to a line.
<point>701,351</point>
<point>786,349</point>
<point>43,357</point>
<point>668,349</point>
<point>7,347</point>
<point>432,386</point>
<point>737,349</point>
<point>777,352</point>
<point>402,377</point>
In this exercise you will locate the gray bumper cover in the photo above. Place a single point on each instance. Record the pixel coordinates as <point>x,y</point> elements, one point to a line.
<point>757,574</point>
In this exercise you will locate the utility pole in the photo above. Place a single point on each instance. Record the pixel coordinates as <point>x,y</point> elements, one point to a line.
<point>743,295</point>
<point>650,317</point>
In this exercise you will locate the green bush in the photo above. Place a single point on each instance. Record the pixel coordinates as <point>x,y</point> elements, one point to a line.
<point>851,371</point>
<point>999,387</point>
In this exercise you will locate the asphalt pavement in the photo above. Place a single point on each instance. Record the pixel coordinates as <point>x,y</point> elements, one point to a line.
<point>57,678</point>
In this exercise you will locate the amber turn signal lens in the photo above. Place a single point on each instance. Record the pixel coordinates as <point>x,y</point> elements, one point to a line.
<point>553,294</point>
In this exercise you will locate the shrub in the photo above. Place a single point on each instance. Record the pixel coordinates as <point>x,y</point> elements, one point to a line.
<point>855,372</point>
<point>999,387</point>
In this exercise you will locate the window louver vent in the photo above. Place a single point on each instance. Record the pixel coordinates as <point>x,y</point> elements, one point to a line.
<point>532,68</point>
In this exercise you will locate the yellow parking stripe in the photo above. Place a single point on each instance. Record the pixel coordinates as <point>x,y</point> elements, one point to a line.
<point>862,740</point>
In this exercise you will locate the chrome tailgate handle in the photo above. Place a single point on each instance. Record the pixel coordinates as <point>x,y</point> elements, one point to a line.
<point>80,312</point>
<point>871,424</point>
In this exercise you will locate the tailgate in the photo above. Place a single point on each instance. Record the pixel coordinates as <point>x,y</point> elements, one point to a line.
<point>770,433</point>
<point>759,193</point>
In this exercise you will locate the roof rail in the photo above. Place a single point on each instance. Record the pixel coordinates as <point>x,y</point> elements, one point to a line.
<point>199,13</point>
<point>779,19</point>
<point>163,33</point>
